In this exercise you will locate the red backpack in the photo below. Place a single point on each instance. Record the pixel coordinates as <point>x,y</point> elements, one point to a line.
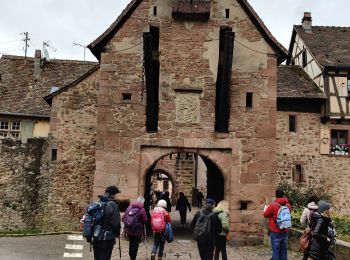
<point>158,220</point>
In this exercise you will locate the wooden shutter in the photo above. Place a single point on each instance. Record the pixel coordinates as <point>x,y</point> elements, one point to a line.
<point>222,106</point>
<point>294,172</point>
<point>325,141</point>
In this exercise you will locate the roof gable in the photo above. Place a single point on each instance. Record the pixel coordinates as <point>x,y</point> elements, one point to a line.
<point>22,93</point>
<point>97,46</point>
<point>328,44</point>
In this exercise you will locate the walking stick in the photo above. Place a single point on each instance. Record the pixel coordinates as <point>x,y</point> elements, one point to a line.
<point>120,250</point>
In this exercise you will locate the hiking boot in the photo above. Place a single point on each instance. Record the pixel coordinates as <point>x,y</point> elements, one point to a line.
<point>153,257</point>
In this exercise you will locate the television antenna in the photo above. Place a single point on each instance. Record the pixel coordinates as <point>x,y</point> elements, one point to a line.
<point>80,45</point>
<point>47,45</point>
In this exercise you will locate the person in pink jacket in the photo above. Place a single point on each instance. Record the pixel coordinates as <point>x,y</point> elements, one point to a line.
<point>134,220</point>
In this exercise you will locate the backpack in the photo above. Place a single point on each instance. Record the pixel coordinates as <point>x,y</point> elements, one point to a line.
<point>158,220</point>
<point>132,221</point>
<point>284,217</point>
<point>202,227</point>
<point>92,220</point>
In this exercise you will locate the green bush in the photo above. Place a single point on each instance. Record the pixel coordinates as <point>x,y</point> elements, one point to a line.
<point>298,195</point>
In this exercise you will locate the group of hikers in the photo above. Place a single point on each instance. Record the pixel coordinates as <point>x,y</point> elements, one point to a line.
<point>211,226</point>
<point>316,218</point>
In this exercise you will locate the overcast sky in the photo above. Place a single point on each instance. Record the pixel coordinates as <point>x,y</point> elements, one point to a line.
<point>63,22</point>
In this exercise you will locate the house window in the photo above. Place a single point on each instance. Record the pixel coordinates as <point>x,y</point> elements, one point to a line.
<point>304,55</point>
<point>53,154</point>
<point>292,124</point>
<point>165,185</point>
<point>227,11</point>
<point>298,177</point>
<point>10,128</point>
<point>348,85</point>
<point>340,142</point>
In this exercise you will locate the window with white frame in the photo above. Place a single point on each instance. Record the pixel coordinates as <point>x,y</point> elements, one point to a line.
<point>349,85</point>
<point>10,128</point>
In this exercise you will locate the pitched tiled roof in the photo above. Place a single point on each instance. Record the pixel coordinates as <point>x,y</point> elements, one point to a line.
<point>97,45</point>
<point>22,93</point>
<point>293,82</point>
<point>330,45</point>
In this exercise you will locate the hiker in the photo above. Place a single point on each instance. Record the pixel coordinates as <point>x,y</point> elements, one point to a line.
<point>278,226</point>
<point>200,198</point>
<point>134,220</point>
<point>110,225</point>
<point>181,205</point>
<point>167,200</point>
<point>159,218</point>
<point>206,226</point>
<point>220,241</point>
<point>306,218</point>
<point>323,233</point>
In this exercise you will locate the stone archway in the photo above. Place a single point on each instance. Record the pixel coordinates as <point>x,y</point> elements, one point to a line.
<point>219,160</point>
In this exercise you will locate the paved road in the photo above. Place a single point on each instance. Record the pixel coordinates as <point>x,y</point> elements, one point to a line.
<point>69,247</point>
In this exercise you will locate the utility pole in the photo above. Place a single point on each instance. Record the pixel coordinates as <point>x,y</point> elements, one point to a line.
<point>26,39</point>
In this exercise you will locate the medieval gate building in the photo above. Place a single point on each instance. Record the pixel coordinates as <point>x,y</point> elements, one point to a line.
<point>194,77</point>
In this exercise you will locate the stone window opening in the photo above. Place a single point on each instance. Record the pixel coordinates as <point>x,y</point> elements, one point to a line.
<point>348,84</point>
<point>126,96</point>
<point>53,154</point>
<point>10,129</point>
<point>292,124</point>
<point>155,10</point>
<point>249,100</point>
<point>298,174</point>
<point>227,12</point>
<point>304,58</point>
<point>340,142</point>
<point>244,205</point>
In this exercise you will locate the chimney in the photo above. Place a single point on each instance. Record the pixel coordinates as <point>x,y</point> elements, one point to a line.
<point>37,63</point>
<point>307,22</point>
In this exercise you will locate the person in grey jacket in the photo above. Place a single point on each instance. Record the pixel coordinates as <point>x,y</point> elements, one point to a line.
<point>110,223</point>
<point>220,241</point>
<point>306,217</point>
<point>310,208</point>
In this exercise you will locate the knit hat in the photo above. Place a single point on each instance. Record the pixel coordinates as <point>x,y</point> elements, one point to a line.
<point>210,203</point>
<point>111,190</point>
<point>323,206</point>
<point>162,204</point>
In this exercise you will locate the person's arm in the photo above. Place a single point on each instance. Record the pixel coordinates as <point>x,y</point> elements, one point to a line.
<point>304,217</point>
<point>217,224</point>
<point>144,216</point>
<point>188,205</point>
<point>317,231</point>
<point>225,222</point>
<point>115,218</point>
<point>268,213</point>
<point>167,217</point>
<point>193,223</point>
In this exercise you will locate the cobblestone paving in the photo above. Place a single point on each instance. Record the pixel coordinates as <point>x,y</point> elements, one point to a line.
<point>183,247</point>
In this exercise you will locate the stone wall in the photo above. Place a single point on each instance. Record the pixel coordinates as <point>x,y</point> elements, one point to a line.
<point>303,148</point>
<point>73,134</point>
<point>21,180</point>
<point>189,52</point>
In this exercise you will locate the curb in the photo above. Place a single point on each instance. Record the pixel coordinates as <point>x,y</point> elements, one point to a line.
<point>42,234</point>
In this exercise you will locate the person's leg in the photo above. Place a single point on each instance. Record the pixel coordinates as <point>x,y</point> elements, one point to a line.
<point>223,248</point>
<point>201,249</point>
<point>96,253</point>
<point>220,246</point>
<point>156,240</point>
<point>134,246</point>
<point>182,217</point>
<point>275,245</point>
<point>161,248</point>
<point>211,247</point>
<point>217,248</point>
<point>284,246</point>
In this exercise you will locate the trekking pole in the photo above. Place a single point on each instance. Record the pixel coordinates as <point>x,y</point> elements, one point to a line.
<point>120,250</point>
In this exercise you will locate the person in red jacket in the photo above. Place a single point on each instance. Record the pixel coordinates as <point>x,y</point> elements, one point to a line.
<point>278,237</point>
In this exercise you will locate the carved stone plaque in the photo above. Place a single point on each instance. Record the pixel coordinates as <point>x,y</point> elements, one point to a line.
<point>187,107</point>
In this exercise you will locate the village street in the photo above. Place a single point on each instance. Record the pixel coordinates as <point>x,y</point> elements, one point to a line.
<point>58,247</point>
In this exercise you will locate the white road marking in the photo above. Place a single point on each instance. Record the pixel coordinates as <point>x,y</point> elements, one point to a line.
<point>74,247</point>
<point>75,237</point>
<point>73,255</point>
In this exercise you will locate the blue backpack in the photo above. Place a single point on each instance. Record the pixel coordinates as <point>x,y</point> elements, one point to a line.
<point>284,217</point>
<point>92,229</point>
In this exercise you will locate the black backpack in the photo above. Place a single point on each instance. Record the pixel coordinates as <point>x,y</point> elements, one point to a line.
<point>202,227</point>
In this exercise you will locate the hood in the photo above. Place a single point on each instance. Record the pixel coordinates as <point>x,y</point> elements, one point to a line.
<point>281,201</point>
<point>312,205</point>
<point>104,198</point>
<point>136,205</point>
